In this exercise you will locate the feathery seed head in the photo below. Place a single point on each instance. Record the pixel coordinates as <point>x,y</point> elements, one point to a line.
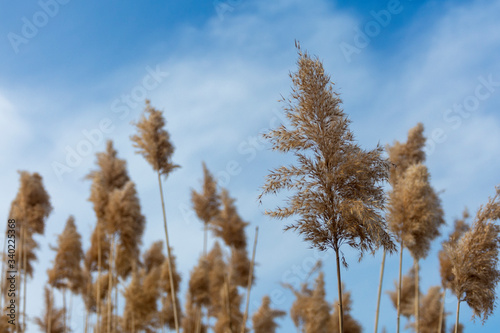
<point>207,203</point>
<point>474,260</point>
<point>415,212</point>
<point>336,185</point>
<point>402,155</point>
<point>153,141</point>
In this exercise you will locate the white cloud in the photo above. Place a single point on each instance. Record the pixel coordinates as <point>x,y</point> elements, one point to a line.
<point>224,90</point>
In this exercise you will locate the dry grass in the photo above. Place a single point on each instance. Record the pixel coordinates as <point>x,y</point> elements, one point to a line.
<point>415,211</point>
<point>474,260</point>
<point>264,318</point>
<point>153,141</point>
<point>336,189</point>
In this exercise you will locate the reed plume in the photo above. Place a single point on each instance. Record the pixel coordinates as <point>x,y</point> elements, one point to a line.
<point>111,174</point>
<point>153,143</point>
<point>67,271</point>
<point>98,251</point>
<point>132,319</point>
<point>298,311</point>
<point>445,267</point>
<point>141,297</point>
<point>229,316</point>
<point>30,209</point>
<point>198,292</point>
<point>207,203</point>
<point>67,274</point>
<point>402,156</point>
<point>264,320</point>
<point>153,257</point>
<point>126,225</point>
<point>336,185</point>
<point>415,211</point>
<point>415,217</point>
<point>216,279</point>
<point>228,225</point>
<point>474,261</point>
<point>318,317</point>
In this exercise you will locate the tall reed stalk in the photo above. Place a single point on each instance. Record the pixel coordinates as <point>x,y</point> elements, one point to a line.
<point>153,143</point>
<point>169,257</point>
<point>250,281</point>
<point>382,265</point>
<point>328,212</point>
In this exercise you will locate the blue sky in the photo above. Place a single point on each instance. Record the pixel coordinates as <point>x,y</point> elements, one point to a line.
<point>218,70</point>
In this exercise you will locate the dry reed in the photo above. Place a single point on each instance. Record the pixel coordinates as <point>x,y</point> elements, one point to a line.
<point>336,185</point>
<point>474,260</point>
<point>153,143</point>
<point>402,156</point>
<point>207,203</point>
<point>264,319</point>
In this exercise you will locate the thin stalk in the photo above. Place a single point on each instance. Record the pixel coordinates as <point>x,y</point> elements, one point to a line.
<point>86,321</point>
<point>99,264</point>
<point>110,286</point>
<point>339,289</point>
<point>116,285</point>
<point>198,307</point>
<point>250,275</point>
<point>458,312</point>
<point>417,297</point>
<point>382,266</point>
<point>162,322</point>
<point>25,259</point>
<point>228,304</point>
<point>64,309</point>
<point>199,314</point>
<point>4,259</point>
<point>198,319</point>
<point>399,282</point>
<point>70,310</point>
<point>22,273</point>
<point>441,314</point>
<point>205,232</point>
<point>169,257</point>
<point>51,298</point>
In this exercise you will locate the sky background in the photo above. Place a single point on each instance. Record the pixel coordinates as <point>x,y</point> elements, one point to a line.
<point>71,67</point>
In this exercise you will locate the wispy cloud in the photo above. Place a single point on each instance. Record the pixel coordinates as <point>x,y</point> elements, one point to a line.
<point>224,81</point>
